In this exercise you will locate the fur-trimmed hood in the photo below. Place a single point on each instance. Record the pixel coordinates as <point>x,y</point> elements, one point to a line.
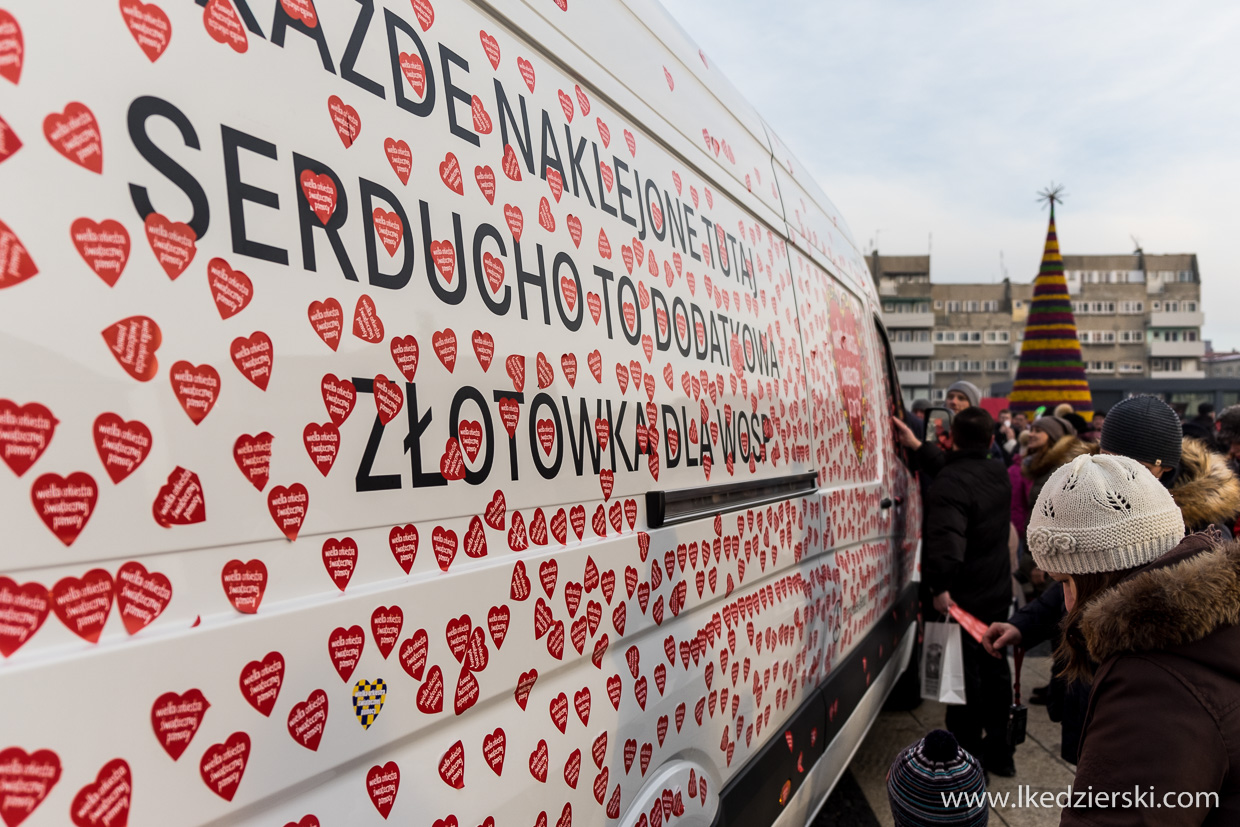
<point>1206,489</point>
<point>1061,452</point>
<point>1177,600</point>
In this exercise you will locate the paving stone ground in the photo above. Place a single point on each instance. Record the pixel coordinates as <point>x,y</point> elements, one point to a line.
<point>860,799</point>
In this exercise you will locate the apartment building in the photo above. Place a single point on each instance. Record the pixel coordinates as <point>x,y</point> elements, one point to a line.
<point>1138,316</point>
<point>1222,364</point>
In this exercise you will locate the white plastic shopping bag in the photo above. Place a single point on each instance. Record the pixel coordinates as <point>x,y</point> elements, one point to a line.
<point>942,664</point>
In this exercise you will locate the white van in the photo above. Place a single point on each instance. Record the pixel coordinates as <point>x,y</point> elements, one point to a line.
<point>443,413</point>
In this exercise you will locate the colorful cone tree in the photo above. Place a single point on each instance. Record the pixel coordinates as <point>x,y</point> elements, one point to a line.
<point>1051,370</point>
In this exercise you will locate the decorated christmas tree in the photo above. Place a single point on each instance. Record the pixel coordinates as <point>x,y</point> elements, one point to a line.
<point>1051,370</point>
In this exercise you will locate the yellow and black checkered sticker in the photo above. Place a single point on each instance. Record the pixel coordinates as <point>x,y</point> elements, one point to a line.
<point>368,697</point>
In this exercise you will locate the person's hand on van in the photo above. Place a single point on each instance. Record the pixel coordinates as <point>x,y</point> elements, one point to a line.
<point>905,435</point>
<point>999,635</point>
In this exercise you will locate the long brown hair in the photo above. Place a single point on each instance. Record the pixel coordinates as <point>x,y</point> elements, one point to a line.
<point>1073,653</point>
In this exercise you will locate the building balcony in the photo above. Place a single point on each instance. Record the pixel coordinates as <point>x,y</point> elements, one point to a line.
<point>907,320</point>
<point>1177,374</point>
<point>916,378</point>
<point>1182,319</point>
<point>912,350</point>
<point>1181,349</point>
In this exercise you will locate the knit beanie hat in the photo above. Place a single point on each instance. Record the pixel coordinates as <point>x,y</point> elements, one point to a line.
<point>968,389</point>
<point>1229,425</point>
<point>1102,513</point>
<point>923,772</point>
<point>1144,428</point>
<point>1055,427</point>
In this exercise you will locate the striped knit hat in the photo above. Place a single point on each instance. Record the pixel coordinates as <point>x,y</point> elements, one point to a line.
<point>924,773</point>
<point>1051,370</point>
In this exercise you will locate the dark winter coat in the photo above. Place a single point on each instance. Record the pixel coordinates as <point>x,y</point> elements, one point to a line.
<point>965,549</point>
<point>1206,489</point>
<point>1038,621</point>
<point>1165,704</point>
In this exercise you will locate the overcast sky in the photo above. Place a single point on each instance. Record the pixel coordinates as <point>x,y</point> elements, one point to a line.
<point>946,118</point>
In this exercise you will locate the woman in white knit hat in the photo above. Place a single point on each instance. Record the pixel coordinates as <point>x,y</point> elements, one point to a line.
<point>1152,624</point>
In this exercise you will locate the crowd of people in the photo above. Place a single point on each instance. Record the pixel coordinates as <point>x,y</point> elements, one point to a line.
<point>1113,538</point>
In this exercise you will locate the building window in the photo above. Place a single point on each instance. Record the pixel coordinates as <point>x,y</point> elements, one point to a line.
<point>953,307</point>
<point>1129,337</point>
<point>938,304</point>
<point>1168,365</point>
<point>1099,367</point>
<point>1190,307</point>
<point>998,365</point>
<point>1131,308</point>
<point>1131,367</point>
<point>938,394</point>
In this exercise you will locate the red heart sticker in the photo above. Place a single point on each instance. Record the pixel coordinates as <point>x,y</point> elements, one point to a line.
<point>430,693</point>
<point>444,543</point>
<point>491,46</point>
<point>403,540</point>
<point>34,774</point>
<point>261,681</point>
<point>494,745</point>
<point>475,539</point>
<point>322,444</point>
<point>224,25</point>
<point>320,194</point>
<point>253,457</point>
<point>568,363</point>
<point>413,652</point>
<point>390,229</point>
<point>103,246</point>
<point>173,243</point>
<point>452,766</point>
<point>65,504</point>
<point>484,349</point>
<point>12,51</point>
<point>306,721</point>
<point>327,318</point>
<point>133,341</point>
<point>244,584</point>
<point>385,625</point>
<point>344,647</point>
<point>527,72</point>
<point>452,463</point>
<point>467,691</point>
<point>141,596</point>
<point>482,120</point>
<point>25,608</point>
<point>196,387</point>
<point>545,218</point>
<point>514,219</point>
<point>398,153</point>
<point>383,781</point>
<point>176,718</point>
<point>254,357</point>
<point>444,344</point>
<point>367,325</point>
<point>514,365</point>
<point>75,134</point>
<point>233,290</point>
<point>525,684</point>
<point>510,414</point>
<point>405,355</point>
<point>494,270</point>
<point>83,605</point>
<point>450,174</point>
<point>510,165</point>
<point>346,120</point>
<point>302,10</point>
<point>415,72</point>
<point>223,765</point>
<point>339,397</point>
<point>149,26</point>
<point>9,142</point>
<point>520,588</point>
<point>15,263</point>
<point>288,507</point>
<point>25,433</point>
<point>340,560</point>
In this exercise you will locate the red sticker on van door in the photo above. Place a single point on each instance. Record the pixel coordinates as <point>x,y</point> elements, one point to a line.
<point>288,507</point>
<point>176,718</point>
<point>261,681</point>
<point>367,325</point>
<point>253,457</point>
<point>26,607</point>
<point>399,156</point>
<point>244,584</point>
<point>403,541</point>
<point>141,596</point>
<point>132,341</point>
<point>83,604</point>
<point>196,387</point>
<point>36,772</point>
<point>346,120</point>
<point>25,433</point>
<point>383,782</point>
<point>320,194</point>
<point>254,357</point>
<point>322,445</point>
<point>74,133</point>
<point>223,765</point>
<point>65,504</point>
<point>344,647</point>
<point>339,397</point>
<point>306,722</point>
<point>450,174</point>
<point>340,559</point>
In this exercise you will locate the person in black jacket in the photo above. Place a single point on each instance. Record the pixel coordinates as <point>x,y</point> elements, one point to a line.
<point>965,562</point>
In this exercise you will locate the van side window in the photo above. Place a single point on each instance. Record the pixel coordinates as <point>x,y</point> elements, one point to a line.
<point>895,399</point>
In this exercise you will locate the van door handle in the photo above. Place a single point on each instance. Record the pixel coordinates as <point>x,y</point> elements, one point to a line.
<point>887,502</point>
